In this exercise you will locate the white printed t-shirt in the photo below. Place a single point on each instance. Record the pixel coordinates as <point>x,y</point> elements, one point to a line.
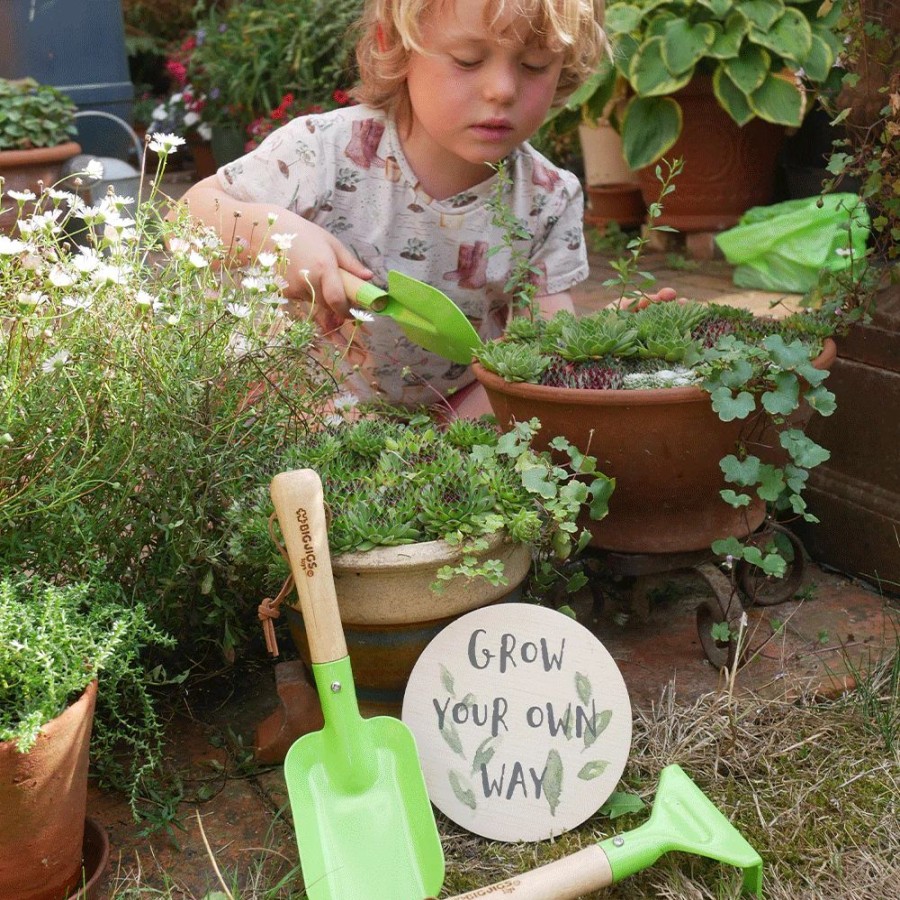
<point>345,170</point>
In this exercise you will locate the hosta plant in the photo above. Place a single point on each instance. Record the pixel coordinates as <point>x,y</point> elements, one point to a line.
<point>389,483</point>
<point>765,58</point>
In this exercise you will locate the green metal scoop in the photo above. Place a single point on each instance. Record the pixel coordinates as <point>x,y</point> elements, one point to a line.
<point>364,823</point>
<point>428,317</point>
<point>683,819</point>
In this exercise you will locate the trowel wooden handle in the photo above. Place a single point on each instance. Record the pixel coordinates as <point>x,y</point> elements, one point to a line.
<point>572,876</point>
<point>300,508</point>
<point>363,292</point>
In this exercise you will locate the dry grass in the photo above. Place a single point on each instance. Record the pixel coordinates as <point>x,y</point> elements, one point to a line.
<point>813,786</point>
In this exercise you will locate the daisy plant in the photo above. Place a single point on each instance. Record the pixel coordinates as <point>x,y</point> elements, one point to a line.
<point>146,381</point>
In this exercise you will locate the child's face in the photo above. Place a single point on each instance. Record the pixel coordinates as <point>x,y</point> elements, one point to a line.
<point>475,94</point>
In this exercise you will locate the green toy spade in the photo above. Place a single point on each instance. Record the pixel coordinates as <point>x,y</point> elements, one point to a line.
<point>683,819</point>
<point>364,824</point>
<point>426,316</point>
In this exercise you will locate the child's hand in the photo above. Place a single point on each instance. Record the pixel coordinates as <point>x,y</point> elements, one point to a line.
<point>663,295</point>
<point>314,262</point>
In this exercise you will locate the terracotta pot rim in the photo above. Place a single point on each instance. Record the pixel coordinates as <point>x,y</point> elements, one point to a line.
<point>88,695</point>
<point>618,397</point>
<point>37,155</point>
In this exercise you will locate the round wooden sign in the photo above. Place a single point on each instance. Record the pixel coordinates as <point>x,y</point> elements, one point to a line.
<point>522,721</point>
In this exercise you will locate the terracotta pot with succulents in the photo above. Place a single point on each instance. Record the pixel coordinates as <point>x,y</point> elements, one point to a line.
<point>57,641</point>
<point>697,411</point>
<point>427,523</point>
<point>37,123</point>
<point>716,83</point>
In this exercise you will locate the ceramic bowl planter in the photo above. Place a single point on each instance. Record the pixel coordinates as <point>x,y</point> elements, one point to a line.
<point>390,611</point>
<point>43,799</point>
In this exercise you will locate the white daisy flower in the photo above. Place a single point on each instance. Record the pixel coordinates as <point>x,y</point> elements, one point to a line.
<point>142,298</point>
<point>197,260</point>
<point>283,241</point>
<point>31,298</point>
<point>345,402</point>
<point>166,143</point>
<point>267,260</point>
<point>78,301</point>
<point>94,169</point>
<point>22,196</point>
<point>362,315</point>
<point>11,246</point>
<point>87,260</point>
<point>238,310</point>
<point>272,218</point>
<point>61,277</point>
<point>253,284</point>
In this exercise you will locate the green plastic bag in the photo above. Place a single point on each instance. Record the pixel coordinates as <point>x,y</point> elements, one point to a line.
<point>785,247</point>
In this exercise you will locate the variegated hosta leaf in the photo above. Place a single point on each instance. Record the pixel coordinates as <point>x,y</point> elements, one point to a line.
<point>650,126</point>
<point>649,75</point>
<point>778,100</point>
<point>731,98</point>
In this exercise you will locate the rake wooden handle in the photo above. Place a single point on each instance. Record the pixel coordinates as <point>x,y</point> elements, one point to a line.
<point>564,879</point>
<point>300,507</point>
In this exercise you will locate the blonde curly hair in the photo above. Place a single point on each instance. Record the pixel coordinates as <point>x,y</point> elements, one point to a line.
<point>391,30</point>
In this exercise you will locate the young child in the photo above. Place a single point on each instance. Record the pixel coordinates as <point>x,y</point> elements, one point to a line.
<point>448,89</point>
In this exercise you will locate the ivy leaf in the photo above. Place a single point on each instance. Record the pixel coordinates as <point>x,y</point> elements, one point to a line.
<point>821,400</point>
<point>784,399</point>
<point>601,490</point>
<point>619,804</point>
<point>804,450</point>
<point>744,473</point>
<point>729,546</point>
<point>740,373</point>
<point>728,407</point>
<point>771,483</point>
<point>734,499</point>
<point>535,480</point>
<point>721,631</point>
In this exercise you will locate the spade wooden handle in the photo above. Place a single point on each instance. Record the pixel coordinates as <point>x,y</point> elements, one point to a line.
<point>300,508</point>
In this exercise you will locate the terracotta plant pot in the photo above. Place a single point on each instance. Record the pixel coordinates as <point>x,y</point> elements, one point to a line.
<point>663,447</point>
<point>26,170</point>
<point>202,154</point>
<point>43,798</point>
<point>620,203</point>
<point>390,613</point>
<point>727,169</point>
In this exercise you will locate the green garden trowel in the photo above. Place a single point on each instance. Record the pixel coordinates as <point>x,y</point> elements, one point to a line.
<point>683,819</point>
<point>426,316</point>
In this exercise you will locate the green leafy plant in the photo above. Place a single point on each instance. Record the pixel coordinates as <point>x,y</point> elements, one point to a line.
<point>34,115</point>
<point>56,639</point>
<point>763,59</point>
<point>755,369</point>
<point>389,483</point>
<point>144,383</point>
<point>248,55</point>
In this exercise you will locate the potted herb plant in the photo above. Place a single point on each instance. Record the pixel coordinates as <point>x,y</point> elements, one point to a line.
<point>427,523</point>
<point>37,124</point>
<point>57,642</point>
<point>716,82</point>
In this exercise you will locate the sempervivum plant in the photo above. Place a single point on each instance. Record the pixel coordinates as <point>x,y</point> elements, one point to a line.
<point>390,482</point>
<point>664,344</point>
